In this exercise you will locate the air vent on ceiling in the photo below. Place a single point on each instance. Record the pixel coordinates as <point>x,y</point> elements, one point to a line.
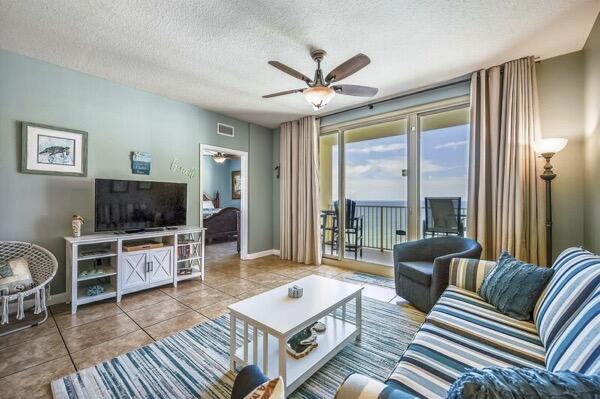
<point>224,129</point>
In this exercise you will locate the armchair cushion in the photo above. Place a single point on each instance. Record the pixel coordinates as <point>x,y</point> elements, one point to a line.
<point>419,272</point>
<point>19,279</point>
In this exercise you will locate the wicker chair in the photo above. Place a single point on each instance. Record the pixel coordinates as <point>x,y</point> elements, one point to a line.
<point>42,266</point>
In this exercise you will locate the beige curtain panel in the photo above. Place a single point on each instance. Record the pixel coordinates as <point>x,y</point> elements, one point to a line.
<point>299,191</point>
<point>506,197</point>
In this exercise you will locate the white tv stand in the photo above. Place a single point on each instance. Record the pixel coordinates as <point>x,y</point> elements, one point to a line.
<point>100,259</point>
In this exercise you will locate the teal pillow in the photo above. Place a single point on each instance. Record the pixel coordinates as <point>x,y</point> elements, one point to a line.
<point>501,382</point>
<point>514,287</point>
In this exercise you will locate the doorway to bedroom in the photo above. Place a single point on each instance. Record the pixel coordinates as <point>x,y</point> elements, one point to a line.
<point>224,198</point>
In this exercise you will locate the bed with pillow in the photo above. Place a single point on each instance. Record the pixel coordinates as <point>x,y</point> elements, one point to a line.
<point>220,223</point>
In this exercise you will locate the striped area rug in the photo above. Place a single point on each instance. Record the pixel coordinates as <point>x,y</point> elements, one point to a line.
<point>371,279</point>
<point>194,363</point>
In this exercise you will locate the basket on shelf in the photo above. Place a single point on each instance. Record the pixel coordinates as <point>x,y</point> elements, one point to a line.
<point>42,266</point>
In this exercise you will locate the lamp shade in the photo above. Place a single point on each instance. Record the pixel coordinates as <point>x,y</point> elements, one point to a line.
<point>549,145</point>
<point>318,96</point>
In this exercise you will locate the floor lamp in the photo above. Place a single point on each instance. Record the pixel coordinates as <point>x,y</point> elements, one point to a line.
<point>547,148</point>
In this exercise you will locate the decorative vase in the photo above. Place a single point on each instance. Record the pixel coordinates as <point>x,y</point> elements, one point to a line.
<point>76,224</point>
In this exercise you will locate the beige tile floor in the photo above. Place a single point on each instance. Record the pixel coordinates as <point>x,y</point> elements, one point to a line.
<point>66,342</point>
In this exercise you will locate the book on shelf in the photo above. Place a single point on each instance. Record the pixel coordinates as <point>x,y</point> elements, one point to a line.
<point>183,252</point>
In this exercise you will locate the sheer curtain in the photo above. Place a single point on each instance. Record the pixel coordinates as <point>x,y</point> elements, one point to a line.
<point>506,198</point>
<point>299,191</point>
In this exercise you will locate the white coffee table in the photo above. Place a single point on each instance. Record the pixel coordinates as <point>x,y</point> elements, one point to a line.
<point>273,317</point>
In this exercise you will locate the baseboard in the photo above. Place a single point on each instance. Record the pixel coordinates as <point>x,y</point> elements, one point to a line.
<point>57,298</point>
<point>261,254</point>
<point>365,267</point>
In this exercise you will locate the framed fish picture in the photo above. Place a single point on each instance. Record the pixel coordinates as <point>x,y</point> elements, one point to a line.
<point>53,150</point>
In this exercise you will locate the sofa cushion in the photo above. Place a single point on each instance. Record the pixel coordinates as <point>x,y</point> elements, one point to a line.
<point>358,386</point>
<point>577,347</point>
<point>501,382</point>
<point>469,273</point>
<point>576,276</point>
<point>514,286</point>
<point>419,272</point>
<point>464,332</point>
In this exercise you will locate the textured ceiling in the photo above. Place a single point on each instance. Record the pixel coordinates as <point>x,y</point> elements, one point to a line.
<point>214,53</point>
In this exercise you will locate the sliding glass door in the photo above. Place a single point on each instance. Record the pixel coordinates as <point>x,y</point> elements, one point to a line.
<point>375,185</point>
<point>443,172</point>
<point>393,178</point>
<point>329,190</point>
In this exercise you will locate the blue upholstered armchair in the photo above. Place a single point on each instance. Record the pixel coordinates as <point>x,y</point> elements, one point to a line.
<point>421,267</point>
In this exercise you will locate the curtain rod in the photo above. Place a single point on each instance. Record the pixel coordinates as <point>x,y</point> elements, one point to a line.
<point>455,81</point>
<point>462,79</point>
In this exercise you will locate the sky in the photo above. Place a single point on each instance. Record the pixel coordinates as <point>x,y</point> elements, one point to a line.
<point>374,167</point>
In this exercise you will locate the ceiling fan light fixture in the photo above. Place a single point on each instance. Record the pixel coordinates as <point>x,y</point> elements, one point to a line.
<point>318,96</point>
<point>219,158</point>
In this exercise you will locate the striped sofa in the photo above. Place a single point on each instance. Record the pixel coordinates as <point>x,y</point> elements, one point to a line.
<point>463,332</point>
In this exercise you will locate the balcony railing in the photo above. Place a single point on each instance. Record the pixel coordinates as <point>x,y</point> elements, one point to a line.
<point>380,223</point>
<point>387,225</point>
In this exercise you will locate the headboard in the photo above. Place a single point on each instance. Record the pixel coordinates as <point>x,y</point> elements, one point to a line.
<point>215,200</point>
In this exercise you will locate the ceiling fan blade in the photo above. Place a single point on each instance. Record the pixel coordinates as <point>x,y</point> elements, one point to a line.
<point>347,68</point>
<point>283,93</point>
<point>290,71</point>
<point>355,90</point>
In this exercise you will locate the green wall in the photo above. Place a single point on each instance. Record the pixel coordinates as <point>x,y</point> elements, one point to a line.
<point>275,189</point>
<point>591,69</point>
<point>260,191</point>
<point>560,91</point>
<point>118,119</point>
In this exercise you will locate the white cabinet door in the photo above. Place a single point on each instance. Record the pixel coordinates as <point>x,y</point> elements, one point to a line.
<point>135,270</point>
<point>160,265</point>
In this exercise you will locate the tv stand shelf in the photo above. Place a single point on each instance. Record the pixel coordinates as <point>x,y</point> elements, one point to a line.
<point>179,257</point>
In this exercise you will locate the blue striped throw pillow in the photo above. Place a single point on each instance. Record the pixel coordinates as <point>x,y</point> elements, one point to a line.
<point>576,277</point>
<point>577,348</point>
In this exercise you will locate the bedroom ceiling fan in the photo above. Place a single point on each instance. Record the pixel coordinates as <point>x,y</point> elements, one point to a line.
<point>219,157</point>
<point>320,89</point>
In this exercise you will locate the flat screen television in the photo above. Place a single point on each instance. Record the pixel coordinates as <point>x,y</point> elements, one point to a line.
<point>130,205</point>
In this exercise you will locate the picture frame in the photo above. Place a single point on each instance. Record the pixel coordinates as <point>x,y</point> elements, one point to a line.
<point>236,185</point>
<point>52,150</point>
<point>140,163</point>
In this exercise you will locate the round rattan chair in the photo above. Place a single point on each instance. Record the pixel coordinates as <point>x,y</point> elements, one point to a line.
<point>42,266</point>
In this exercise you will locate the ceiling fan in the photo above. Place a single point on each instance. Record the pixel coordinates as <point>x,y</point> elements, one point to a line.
<point>219,157</point>
<point>320,89</point>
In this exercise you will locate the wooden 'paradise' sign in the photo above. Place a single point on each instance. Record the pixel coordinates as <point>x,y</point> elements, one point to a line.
<point>176,167</point>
